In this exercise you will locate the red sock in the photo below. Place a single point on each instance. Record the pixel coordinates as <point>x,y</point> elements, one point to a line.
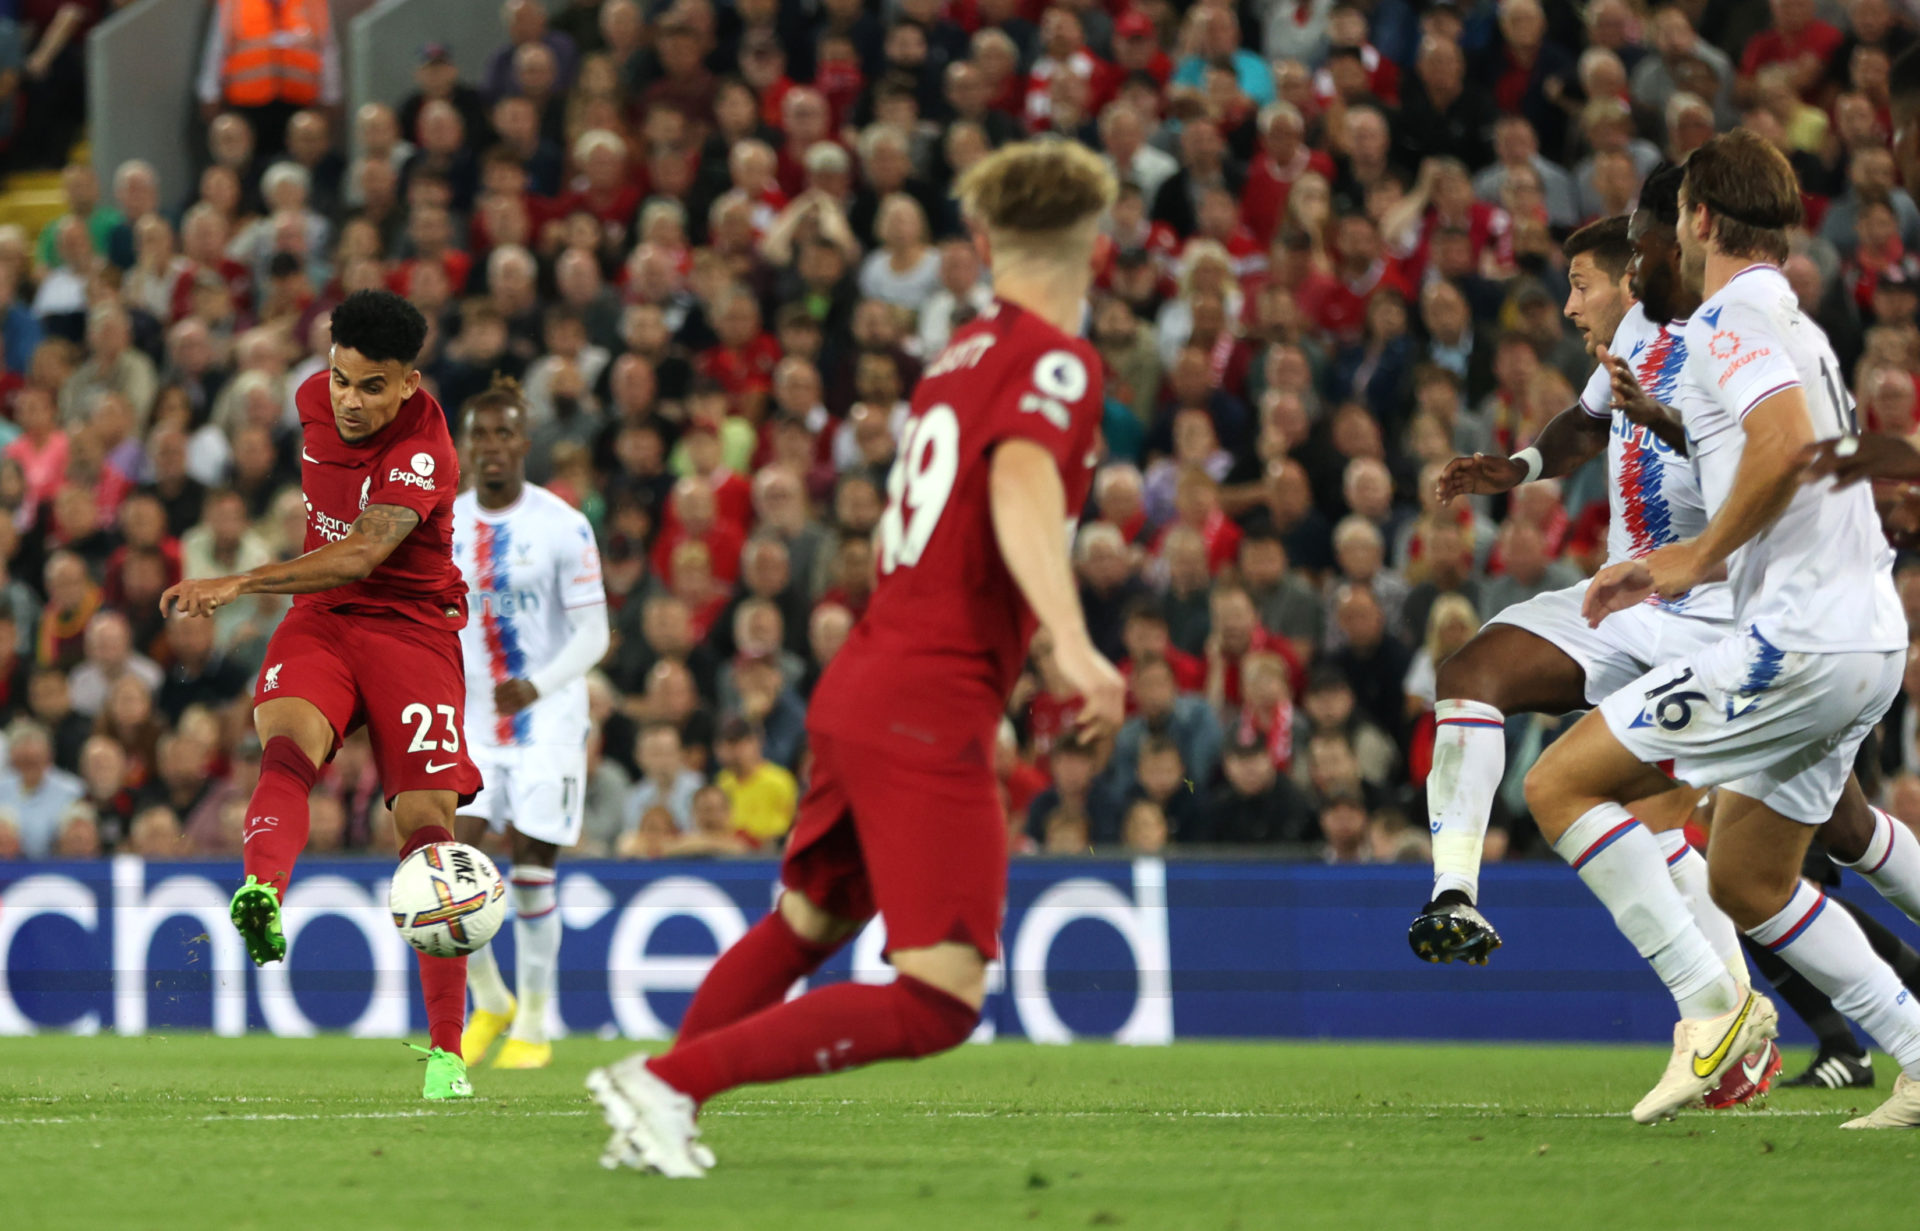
<point>443,980</point>
<point>755,973</point>
<point>276,828</point>
<point>840,1026</point>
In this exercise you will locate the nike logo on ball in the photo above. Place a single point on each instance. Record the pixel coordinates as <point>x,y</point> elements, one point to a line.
<point>434,769</point>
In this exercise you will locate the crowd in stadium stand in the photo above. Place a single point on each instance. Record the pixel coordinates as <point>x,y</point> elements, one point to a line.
<point>715,246</point>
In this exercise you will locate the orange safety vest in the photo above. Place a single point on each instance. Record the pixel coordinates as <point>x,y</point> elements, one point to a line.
<point>275,51</point>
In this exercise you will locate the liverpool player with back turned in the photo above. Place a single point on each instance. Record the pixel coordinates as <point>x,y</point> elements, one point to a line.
<point>373,638</point>
<point>901,817</point>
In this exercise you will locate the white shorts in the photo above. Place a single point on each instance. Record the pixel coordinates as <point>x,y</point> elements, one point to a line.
<point>1626,644</point>
<point>541,788</point>
<point>1773,725</point>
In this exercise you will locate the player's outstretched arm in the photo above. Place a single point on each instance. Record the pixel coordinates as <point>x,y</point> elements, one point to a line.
<point>1029,507</point>
<point>1778,433</point>
<point>375,533</point>
<point>1568,441</point>
<point>1870,455</point>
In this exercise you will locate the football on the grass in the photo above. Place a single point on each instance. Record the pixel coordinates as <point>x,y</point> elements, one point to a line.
<point>447,899</point>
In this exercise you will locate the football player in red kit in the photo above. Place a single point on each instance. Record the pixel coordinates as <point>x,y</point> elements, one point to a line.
<point>901,816</point>
<point>373,638</point>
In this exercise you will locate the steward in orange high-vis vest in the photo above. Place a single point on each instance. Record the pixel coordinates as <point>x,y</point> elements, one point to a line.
<point>275,51</point>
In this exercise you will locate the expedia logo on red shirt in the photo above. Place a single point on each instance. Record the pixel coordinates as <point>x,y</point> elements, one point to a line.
<point>420,476</point>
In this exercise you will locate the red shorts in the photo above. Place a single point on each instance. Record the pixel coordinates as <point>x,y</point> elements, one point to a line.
<point>920,842</point>
<point>403,681</point>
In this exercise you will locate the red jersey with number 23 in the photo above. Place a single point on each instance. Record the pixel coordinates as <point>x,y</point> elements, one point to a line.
<point>411,463</point>
<point>945,636</point>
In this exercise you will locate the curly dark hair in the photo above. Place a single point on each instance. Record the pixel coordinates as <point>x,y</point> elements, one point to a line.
<point>1660,194</point>
<point>380,325</point>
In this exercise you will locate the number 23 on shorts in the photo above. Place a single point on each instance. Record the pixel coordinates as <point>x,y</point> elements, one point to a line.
<point>420,718</point>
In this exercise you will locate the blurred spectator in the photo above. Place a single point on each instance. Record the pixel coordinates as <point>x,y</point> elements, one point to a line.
<point>79,836</point>
<point>1160,778</point>
<point>50,704</point>
<point>202,823</point>
<point>33,792</point>
<point>1145,830</point>
<point>1080,798</point>
<point>1529,570</point>
<point>1253,803</point>
<point>713,832</point>
<point>104,772</point>
<point>606,792</point>
<point>1374,663</point>
<point>155,834</point>
<point>109,656</point>
<point>763,796</point>
<point>1159,710</point>
<point>666,782</point>
<point>15,667</point>
<point>1343,824</point>
<point>198,673</point>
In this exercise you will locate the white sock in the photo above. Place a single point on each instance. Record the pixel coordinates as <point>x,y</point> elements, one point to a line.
<point>489,990</point>
<point>536,940</point>
<point>1469,759</point>
<point>1892,863</point>
<point>1620,861</point>
<point>1829,948</point>
<point>1689,874</point>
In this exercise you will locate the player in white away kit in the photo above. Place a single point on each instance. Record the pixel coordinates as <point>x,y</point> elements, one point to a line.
<point>539,624</point>
<point>1541,656</point>
<point>1772,714</point>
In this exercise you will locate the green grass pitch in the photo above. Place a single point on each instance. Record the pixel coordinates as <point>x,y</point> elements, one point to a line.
<point>195,1132</point>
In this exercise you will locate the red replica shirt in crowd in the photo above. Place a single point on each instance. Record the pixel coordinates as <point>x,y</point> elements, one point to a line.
<point>1819,40</point>
<point>746,370</point>
<point>1342,311</point>
<point>409,463</point>
<point>944,638</point>
<point>1263,200</point>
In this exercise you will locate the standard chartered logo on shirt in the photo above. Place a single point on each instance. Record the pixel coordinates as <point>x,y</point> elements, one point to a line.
<point>509,603</point>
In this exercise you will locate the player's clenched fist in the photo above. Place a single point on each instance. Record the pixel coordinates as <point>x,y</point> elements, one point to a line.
<point>1103,691</point>
<point>199,598</point>
<point>1479,475</point>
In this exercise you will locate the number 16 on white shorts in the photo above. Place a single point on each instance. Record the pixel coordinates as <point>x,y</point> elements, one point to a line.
<point>1774,725</point>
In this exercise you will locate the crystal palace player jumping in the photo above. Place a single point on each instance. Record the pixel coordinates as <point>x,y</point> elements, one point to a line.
<point>373,638</point>
<point>901,817</point>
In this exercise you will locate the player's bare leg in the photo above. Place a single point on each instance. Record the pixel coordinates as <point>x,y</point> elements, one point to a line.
<point>422,818</point>
<point>295,740</point>
<point>1878,846</point>
<point>1574,792</point>
<point>493,1005</point>
<point>1754,857</point>
<point>1503,670</point>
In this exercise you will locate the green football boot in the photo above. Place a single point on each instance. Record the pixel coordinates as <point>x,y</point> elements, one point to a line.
<point>446,1074</point>
<point>256,912</point>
